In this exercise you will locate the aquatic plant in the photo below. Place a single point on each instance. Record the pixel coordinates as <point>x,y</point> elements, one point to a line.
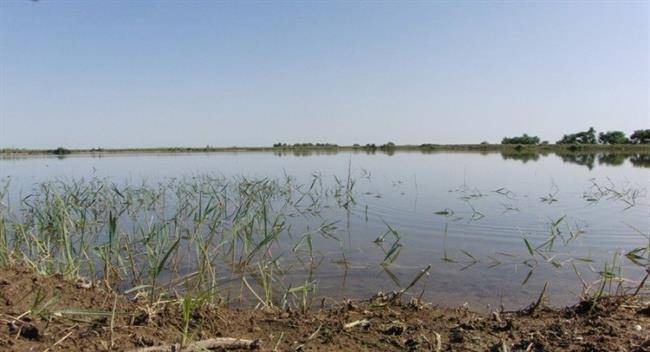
<point>207,239</point>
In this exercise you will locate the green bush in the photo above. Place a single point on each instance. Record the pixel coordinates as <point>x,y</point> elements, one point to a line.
<point>60,151</point>
<point>524,139</point>
<point>613,137</point>
<point>585,137</point>
<point>640,137</point>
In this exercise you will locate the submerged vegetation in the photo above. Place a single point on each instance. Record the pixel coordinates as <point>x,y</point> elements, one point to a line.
<point>201,234</point>
<point>230,240</point>
<point>183,246</point>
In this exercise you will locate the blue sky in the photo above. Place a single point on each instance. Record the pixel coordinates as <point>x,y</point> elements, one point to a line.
<point>196,73</point>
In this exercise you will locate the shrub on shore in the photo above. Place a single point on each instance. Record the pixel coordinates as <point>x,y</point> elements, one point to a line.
<point>613,137</point>
<point>640,137</point>
<point>584,137</point>
<point>524,139</point>
<point>60,151</point>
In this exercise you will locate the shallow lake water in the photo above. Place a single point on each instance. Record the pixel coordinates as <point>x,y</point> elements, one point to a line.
<point>464,213</point>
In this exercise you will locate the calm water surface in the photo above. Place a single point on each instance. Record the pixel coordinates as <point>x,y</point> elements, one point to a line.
<point>491,202</point>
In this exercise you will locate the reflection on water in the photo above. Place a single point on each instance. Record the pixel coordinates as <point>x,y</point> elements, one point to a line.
<point>522,156</point>
<point>613,159</point>
<point>494,226</point>
<point>582,158</point>
<point>587,160</point>
<point>640,160</point>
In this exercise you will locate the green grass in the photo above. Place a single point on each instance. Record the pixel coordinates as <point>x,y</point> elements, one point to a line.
<point>216,240</point>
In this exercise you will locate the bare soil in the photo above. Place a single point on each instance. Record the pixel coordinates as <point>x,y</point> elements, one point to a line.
<point>40,313</point>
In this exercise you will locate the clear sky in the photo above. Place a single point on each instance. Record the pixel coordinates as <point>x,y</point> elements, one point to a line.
<point>195,73</point>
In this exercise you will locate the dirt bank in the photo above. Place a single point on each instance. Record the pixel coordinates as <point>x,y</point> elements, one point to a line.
<point>48,313</point>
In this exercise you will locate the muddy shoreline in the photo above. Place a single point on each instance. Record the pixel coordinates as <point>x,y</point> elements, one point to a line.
<point>50,313</point>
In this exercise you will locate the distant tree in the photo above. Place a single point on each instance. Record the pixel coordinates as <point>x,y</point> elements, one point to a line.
<point>60,151</point>
<point>640,137</point>
<point>524,139</point>
<point>322,145</point>
<point>485,143</point>
<point>613,137</point>
<point>585,137</point>
<point>389,145</point>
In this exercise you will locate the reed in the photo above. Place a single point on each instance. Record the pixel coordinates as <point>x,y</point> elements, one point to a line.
<point>208,239</point>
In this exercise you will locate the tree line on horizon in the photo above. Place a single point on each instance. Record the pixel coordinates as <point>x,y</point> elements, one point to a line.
<point>641,136</point>
<point>587,137</point>
<point>583,137</point>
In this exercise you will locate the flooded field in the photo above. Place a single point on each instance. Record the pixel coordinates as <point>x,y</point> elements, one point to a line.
<point>304,228</point>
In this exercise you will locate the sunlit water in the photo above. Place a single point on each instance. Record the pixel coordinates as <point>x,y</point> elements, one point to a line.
<point>490,203</point>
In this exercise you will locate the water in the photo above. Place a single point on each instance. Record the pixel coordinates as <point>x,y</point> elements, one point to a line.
<point>491,203</point>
